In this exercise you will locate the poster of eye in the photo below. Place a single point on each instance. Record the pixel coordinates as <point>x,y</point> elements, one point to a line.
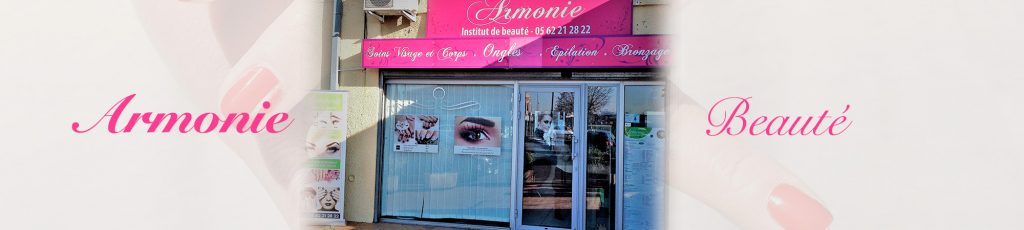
<point>322,194</point>
<point>416,133</point>
<point>478,135</point>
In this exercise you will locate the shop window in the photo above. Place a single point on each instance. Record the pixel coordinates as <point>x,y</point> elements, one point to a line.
<point>643,156</point>
<point>602,116</point>
<point>448,153</point>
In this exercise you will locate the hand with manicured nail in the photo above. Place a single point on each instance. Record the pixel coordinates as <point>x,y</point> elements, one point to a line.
<point>403,136</point>
<point>232,55</point>
<point>428,121</point>
<point>426,136</point>
<point>746,186</point>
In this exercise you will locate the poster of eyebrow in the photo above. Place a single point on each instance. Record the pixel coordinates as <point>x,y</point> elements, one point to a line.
<point>416,133</point>
<point>478,135</point>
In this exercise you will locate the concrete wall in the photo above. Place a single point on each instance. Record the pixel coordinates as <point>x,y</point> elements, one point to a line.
<point>364,85</point>
<point>364,112</point>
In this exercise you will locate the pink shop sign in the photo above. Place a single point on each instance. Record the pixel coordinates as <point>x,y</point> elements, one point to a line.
<point>517,52</point>
<point>507,18</point>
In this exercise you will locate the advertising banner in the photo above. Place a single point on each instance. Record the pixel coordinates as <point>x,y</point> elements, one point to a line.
<point>323,195</point>
<point>505,18</point>
<point>478,135</point>
<point>517,52</point>
<point>416,133</point>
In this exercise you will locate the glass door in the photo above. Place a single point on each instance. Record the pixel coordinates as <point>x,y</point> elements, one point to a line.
<point>551,174</point>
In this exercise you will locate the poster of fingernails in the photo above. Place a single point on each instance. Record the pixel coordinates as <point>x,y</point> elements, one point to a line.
<point>478,135</point>
<point>416,133</point>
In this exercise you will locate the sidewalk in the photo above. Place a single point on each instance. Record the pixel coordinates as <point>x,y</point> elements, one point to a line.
<point>381,226</point>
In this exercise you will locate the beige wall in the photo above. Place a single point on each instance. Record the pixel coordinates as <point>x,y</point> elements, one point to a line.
<point>363,115</point>
<point>364,108</point>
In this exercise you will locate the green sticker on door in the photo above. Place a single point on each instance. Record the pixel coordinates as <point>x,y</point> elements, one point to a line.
<point>637,132</point>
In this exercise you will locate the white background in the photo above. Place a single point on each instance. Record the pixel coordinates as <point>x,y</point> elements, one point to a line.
<point>68,61</point>
<point>936,95</point>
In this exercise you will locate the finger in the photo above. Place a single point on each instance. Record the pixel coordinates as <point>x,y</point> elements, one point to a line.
<point>281,65</point>
<point>277,69</point>
<point>183,35</point>
<point>746,186</point>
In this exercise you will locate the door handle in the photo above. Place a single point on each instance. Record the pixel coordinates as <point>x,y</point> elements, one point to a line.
<point>575,149</point>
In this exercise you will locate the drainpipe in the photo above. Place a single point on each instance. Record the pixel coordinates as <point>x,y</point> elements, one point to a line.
<point>335,40</point>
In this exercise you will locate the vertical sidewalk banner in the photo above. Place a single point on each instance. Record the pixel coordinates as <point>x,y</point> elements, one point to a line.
<point>324,193</point>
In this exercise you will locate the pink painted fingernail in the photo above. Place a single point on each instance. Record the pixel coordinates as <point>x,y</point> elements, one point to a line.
<point>252,88</point>
<point>795,210</point>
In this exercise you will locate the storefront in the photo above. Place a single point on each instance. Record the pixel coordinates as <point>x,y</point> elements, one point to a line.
<point>520,152</point>
<point>552,119</point>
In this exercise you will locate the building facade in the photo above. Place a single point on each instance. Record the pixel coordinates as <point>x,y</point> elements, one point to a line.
<point>504,113</point>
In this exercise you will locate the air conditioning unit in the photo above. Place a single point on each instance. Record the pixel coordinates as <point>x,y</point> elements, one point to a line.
<point>381,8</point>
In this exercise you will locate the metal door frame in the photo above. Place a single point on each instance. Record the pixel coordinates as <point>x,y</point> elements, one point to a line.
<point>579,159</point>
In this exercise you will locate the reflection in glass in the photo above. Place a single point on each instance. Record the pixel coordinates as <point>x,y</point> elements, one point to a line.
<point>602,106</point>
<point>547,159</point>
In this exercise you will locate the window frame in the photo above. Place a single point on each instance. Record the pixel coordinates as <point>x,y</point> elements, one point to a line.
<point>584,78</point>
